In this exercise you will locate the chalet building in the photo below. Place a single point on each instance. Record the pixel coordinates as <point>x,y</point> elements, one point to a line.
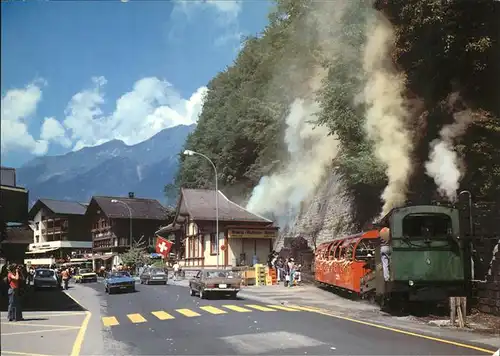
<point>60,231</point>
<point>244,238</point>
<point>117,221</point>
<point>13,217</point>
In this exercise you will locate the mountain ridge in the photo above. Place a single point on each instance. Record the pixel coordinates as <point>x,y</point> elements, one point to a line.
<point>112,168</point>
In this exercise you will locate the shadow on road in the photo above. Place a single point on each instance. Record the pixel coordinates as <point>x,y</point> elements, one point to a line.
<point>43,300</point>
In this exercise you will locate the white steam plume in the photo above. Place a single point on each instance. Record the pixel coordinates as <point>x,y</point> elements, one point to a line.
<point>387,115</point>
<point>311,151</point>
<point>444,164</point>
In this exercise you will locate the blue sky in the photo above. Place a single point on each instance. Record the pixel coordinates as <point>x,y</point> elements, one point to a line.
<point>77,74</point>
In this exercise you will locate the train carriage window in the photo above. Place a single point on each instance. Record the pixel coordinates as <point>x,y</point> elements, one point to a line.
<point>342,251</point>
<point>331,251</point>
<point>338,250</point>
<point>365,250</point>
<point>349,250</point>
<point>427,225</point>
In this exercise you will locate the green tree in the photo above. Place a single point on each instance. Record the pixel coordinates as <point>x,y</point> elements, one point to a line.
<point>136,254</point>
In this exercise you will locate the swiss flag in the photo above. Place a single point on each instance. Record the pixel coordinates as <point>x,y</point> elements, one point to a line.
<point>163,246</point>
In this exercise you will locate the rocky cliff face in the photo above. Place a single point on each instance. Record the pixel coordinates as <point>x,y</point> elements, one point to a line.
<point>325,216</point>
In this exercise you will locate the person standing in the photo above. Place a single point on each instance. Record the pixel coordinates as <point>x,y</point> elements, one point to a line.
<point>176,270</point>
<point>385,252</point>
<point>65,278</point>
<point>14,311</point>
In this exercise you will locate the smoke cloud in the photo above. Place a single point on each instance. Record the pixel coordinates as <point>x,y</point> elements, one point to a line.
<point>444,165</point>
<point>311,151</point>
<point>387,115</point>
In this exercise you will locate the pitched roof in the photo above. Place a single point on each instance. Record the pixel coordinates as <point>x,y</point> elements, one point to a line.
<point>140,208</point>
<point>200,205</point>
<point>60,207</point>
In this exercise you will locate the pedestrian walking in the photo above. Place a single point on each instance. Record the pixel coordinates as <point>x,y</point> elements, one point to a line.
<point>65,278</point>
<point>176,270</point>
<point>14,311</point>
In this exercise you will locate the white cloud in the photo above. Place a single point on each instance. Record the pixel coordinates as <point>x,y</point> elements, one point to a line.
<point>227,10</point>
<point>17,107</point>
<point>226,14</point>
<point>53,131</point>
<point>151,106</point>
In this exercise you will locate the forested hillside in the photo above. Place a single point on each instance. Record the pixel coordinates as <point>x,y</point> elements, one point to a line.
<point>398,99</point>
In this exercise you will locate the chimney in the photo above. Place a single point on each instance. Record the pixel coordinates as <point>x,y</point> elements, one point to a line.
<point>131,195</point>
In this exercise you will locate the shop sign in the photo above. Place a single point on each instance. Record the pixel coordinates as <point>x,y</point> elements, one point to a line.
<point>251,234</point>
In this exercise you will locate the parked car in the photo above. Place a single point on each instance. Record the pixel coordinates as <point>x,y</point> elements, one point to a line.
<point>151,275</point>
<point>215,282</point>
<point>85,275</point>
<point>119,281</point>
<point>46,278</point>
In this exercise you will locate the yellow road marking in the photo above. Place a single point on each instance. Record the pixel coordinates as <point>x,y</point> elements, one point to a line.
<point>21,353</point>
<point>110,321</point>
<point>213,310</point>
<point>162,315</point>
<point>281,307</point>
<point>237,308</point>
<point>260,307</point>
<point>409,333</point>
<point>41,331</point>
<point>136,318</point>
<point>20,323</point>
<point>77,345</point>
<point>187,312</point>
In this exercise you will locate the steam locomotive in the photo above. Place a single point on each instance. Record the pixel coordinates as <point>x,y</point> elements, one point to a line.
<point>426,260</point>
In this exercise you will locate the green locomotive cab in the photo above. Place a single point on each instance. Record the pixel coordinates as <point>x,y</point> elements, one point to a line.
<point>426,261</point>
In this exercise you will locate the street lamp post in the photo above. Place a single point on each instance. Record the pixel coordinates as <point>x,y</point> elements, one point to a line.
<point>130,217</point>
<point>192,153</point>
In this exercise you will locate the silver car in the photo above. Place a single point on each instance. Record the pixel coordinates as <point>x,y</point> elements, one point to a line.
<point>46,278</point>
<point>152,275</point>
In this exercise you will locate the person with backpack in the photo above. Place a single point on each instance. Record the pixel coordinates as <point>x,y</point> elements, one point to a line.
<point>14,311</point>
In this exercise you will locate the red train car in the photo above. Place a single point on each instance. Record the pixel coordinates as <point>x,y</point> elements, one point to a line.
<point>341,262</point>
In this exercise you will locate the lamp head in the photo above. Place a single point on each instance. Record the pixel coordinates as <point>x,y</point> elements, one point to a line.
<point>114,201</point>
<point>188,153</point>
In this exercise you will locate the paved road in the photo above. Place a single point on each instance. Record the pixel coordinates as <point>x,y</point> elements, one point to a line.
<point>51,325</point>
<point>163,320</point>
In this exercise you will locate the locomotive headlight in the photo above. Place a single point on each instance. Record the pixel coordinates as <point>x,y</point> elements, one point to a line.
<point>410,282</point>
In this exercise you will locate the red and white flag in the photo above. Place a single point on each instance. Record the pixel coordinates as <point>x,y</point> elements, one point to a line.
<point>163,246</point>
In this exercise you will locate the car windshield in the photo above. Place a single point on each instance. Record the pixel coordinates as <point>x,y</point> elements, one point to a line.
<point>82,271</point>
<point>157,271</point>
<point>44,273</point>
<point>119,274</point>
<point>220,274</point>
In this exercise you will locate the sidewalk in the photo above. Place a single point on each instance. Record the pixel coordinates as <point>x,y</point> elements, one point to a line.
<point>337,306</point>
<point>51,326</point>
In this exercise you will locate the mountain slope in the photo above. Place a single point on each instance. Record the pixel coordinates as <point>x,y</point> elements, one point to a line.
<point>112,168</point>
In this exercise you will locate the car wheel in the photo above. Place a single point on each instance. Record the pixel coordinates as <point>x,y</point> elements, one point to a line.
<point>165,283</point>
<point>234,295</point>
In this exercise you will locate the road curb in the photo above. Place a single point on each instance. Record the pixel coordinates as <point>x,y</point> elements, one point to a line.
<point>375,324</point>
